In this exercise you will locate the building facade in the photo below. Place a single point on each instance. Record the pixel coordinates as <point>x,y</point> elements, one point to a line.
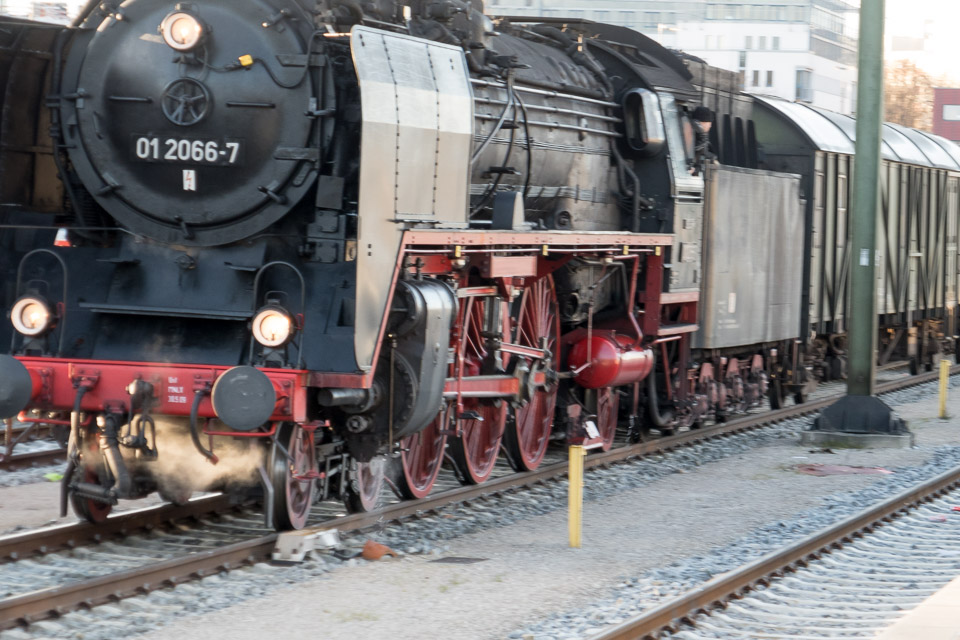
<point>648,16</point>
<point>57,11</point>
<point>793,49</point>
<point>946,113</point>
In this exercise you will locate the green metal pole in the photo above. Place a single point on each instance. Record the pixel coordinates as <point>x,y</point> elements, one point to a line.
<point>863,295</point>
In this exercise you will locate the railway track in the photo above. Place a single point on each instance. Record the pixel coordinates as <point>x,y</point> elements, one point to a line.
<point>854,577</point>
<point>31,437</point>
<point>41,458</point>
<point>156,548</point>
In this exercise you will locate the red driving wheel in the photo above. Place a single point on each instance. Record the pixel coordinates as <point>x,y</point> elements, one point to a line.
<point>475,451</point>
<point>536,321</point>
<point>421,456</point>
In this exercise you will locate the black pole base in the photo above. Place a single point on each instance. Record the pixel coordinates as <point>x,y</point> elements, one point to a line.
<point>860,414</point>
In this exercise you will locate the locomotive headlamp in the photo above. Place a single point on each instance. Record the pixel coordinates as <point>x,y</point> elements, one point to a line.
<point>32,316</point>
<point>182,31</point>
<point>273,326</point>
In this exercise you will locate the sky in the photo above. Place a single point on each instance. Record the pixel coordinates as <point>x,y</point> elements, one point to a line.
<point>938,21</point>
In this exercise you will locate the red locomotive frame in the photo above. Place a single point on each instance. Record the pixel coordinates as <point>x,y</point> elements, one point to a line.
<point>508,260</point>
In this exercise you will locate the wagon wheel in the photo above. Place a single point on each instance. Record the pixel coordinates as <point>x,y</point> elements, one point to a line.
<point>94,471</point>
<point>421,456</point>
<point>364,485</point>
<point>801,396</point>
<point>537,324</point>
<point>607,408</point>
<point>475,450</point>
<point>291,459</point>
<point>775,392</point>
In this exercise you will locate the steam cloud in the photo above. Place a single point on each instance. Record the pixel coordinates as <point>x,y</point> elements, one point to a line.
<point>180,468</point>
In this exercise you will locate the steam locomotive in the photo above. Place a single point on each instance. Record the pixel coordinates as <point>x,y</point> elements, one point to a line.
<point>308,245</point>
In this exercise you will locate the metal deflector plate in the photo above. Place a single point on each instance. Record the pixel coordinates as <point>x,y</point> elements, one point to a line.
<point>417,110</point>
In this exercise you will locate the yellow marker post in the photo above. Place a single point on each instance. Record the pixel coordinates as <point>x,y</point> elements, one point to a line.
<point>944,380</point>
<point>575,495</point>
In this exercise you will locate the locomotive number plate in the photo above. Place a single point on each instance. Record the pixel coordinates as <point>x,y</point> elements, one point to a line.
<point>228,152</point>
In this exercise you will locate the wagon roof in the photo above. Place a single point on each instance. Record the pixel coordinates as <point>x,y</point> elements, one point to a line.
<point>835,132</point>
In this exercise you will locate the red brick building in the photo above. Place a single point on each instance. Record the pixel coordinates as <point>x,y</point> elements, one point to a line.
<point>946,113</point>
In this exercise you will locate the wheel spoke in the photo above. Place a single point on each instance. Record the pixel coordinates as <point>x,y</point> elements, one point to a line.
<point>537,324</point>
<point>365,485</point>
<point>608,404</point>
<point>417,446</point>
<point>475,451</point>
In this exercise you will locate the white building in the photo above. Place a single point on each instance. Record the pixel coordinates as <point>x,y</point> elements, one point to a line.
<point>58,11</point>
<point>643,15</point>
<point>789,60</point>
<point>793,49</point>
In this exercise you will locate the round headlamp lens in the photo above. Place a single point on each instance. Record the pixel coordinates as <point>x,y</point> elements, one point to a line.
<point>31,316</point>
<point>272,327</point>
<point>181,31</point>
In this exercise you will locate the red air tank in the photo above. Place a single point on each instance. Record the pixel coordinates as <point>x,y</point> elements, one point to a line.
<point>614,361</point>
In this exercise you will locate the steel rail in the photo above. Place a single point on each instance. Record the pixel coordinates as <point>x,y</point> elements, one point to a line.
<point>21,461</point>
<point>89,593</point>
<point>56,601</point>
<point>68,536</point>
<point>37,430</point>
<point>715,592</point>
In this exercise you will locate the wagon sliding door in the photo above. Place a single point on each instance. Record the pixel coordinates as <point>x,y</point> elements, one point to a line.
<point>831,255</point>
<point>952,226</point>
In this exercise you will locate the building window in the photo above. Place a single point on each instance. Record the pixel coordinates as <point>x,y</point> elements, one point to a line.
<point>762,43</point>
<point>756,78</point>
<point>804,85</point>
<point>709,42</point>
<point>743,59</point>
<point>758,11</point>
<point>748,42</point>
<point>776,43</point>
<point>769,78</point>
<point>951,112</point>
<point>822,18</point>
<point>719,42</point>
